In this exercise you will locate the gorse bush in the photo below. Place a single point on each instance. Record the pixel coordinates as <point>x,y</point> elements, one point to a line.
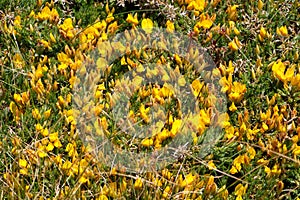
<point>216,83</point>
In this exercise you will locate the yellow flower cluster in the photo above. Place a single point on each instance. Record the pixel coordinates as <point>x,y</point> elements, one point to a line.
<point>286,75</point>
<point>67,29</point>
<point>196,5</point>
<point>205,22</point>
<point>242,159</point>
<point>47,14</point>
<point>264,138</point>
<point>235,90</point>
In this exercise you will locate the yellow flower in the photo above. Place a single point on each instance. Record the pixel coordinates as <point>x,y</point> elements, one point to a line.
<point>296,81</point>
<point>143,113</point>
<point>100,25</point>
<point>17,21</point>
<point>166,91</point>
<point>18,60</point>
<point>38,73</point>
<point>24,171</point>
<point>233,170</point>
<point>201,127</point>
<point>112,28</point>
<point>177,59</point>
<point>231,24</point>
<point>147,142</point>
<point>211,165</point>
<point>264,127</point>
<point>22,163</point>
<point>262,161</point>
<point>229,130</point>
<point>38,127</point>
<point>123,61</point>
<point>132,19</point>
<point>36,114</point>
<point>67,165</point>
<point>205,21</point>
<point>175,127</point>
<point>91,32</point>
<point>109,18</point>
<point>265,116</point>
<point>53,136</point>
<point>164,134</point>
<point>57,143</point>
<point>98,109</point>
<point>230,68</point>
<point>25,97</point>
<point>226,83</point>
<point>232,12</point>
<point>211,186</point>
<point>83,179</point>
<point>274,171</point>
<point>262,34</point>
<point>64,58</point>
<point>240,190</point>
<point>166,192</point>
<point>67,25</point>
<point>197,5</point>
<point>237,92</point>
<point>147,25</point>
<point>44,14</point>
<point>197,87</point>
<point>289,74</point>
<point>296,151</point>
<point>296,55</point>
<point>61,102</point>
<point>62,67</point>
<point>54,16</point>
<point>236,31</point>
<point>49,147</point>
<point>204,117</point>
<point>235,44</point>
<point>237,164</point>
<point>170,26</point>
<point>32,14</point>
<point>138,184</point>
<point>189,179</point>
<point>282,31</point>
<point>71,149</point>
<point>260,4</point>
<point>18,98</point>
<point>295,139</point>
<point>41,151</point>
<point>181,81</point>
<point>45,132</point>
<point>102,197</point>
<point>243,127</point>
<point>251,133</point>
<point>232,108</point>
<point>52,38</point>
<point>279,69</point>
<point>47,113</point>
<point>131,62</point>
<point>196,31</point>
<point>69,34</point>
<point>140,68</point>
<point>251,151</point>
